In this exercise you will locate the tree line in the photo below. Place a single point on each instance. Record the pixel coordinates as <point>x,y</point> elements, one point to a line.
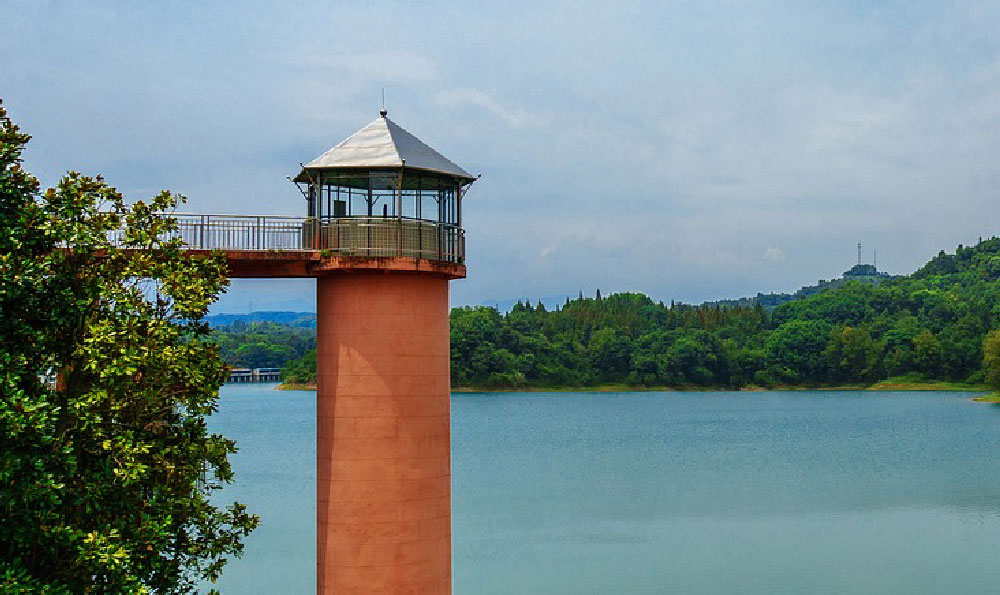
<point>936,324</point>
<point>263,344</point>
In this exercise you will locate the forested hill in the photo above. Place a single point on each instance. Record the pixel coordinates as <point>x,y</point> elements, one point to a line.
<point>300,319</point>
<point>931,324</point>
<point>865,273</point>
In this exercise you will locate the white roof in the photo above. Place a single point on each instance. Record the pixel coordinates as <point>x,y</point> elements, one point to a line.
<point>383,143</point>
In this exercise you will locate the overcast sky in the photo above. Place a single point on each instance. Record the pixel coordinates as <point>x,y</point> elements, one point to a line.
<point>688,150</point>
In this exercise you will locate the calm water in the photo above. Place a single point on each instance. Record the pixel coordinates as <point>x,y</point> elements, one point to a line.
<point>765,493</point>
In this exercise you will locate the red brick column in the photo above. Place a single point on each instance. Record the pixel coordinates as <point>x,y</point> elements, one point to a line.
<point>383,471</point>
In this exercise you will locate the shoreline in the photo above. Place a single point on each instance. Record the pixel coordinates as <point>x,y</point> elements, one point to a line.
<point>296,386</point>
<point>885,385</point>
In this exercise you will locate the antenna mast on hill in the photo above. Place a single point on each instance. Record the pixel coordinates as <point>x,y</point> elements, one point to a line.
<point>859,252</point>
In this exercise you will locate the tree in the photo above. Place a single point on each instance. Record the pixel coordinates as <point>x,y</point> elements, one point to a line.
<point>262,354</point>
<point>795,350</point>
<point>611,353</point>
<point>852,355</point>
<point>693,358</point>
<point>650,364</point>
<point>991,358</point>
<point>105,480</point>
<point>301,371</point>
<point>927,354</point>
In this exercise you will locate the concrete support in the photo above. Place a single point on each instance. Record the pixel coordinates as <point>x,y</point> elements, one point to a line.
<point>383,471</point>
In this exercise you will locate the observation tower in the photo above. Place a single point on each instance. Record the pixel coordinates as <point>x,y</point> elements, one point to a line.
<point>382,236</point>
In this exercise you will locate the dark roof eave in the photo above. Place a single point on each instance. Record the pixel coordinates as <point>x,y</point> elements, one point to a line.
<point>303,176</point>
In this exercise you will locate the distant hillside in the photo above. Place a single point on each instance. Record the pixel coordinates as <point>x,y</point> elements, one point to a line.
<point>865,273</point>
<point>858,330</point>
<point>301,319</point>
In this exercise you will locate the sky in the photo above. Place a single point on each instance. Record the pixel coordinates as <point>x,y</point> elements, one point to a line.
<point>687,150</point>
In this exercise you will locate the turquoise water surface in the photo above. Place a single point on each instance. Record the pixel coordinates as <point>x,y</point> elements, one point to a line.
<point>770,493</point>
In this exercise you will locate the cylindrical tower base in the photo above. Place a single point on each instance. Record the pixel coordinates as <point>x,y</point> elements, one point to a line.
<point>383,472</point>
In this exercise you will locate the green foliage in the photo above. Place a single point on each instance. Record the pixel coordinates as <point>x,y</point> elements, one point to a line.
<point>105,483</point>
<point>619,338</point>
<point>301,371</point>
<point>930,325</point>
<point>852,356</point>
<point>795,350</point>
<point>262,344</point>
<point>610,353</point>
<point>991,358</point>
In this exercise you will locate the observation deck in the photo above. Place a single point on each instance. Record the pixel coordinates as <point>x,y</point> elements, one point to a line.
<point>289,247</point>
<point>379,200</point>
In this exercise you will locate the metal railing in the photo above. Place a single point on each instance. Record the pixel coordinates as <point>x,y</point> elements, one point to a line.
<point>352,236</point>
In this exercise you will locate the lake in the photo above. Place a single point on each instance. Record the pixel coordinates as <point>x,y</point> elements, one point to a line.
<point>702,492</point>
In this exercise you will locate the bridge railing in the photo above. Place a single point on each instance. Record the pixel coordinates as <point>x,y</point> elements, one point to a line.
<point>352,236</point>
<point>240,232</point>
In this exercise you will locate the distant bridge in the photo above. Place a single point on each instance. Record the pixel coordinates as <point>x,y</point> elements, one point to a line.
<point>241,375</point>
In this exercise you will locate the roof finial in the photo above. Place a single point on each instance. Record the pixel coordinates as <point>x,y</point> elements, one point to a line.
<point>382,112</point>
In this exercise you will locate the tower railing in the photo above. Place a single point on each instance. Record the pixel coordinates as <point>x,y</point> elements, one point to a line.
<point>349,236</point>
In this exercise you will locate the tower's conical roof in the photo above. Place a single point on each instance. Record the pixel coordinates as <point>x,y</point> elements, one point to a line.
<point>383,143</point>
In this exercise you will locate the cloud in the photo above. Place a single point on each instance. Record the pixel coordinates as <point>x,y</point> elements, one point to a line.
<point>392,67</point>
<point>666,148</point>
<point>774,254</point>
<point>466,97</point>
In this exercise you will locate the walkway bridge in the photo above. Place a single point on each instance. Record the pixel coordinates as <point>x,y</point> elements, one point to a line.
<point>279,246</point>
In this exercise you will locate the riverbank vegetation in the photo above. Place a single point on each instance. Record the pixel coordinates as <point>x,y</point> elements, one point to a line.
<point>937,325</point>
